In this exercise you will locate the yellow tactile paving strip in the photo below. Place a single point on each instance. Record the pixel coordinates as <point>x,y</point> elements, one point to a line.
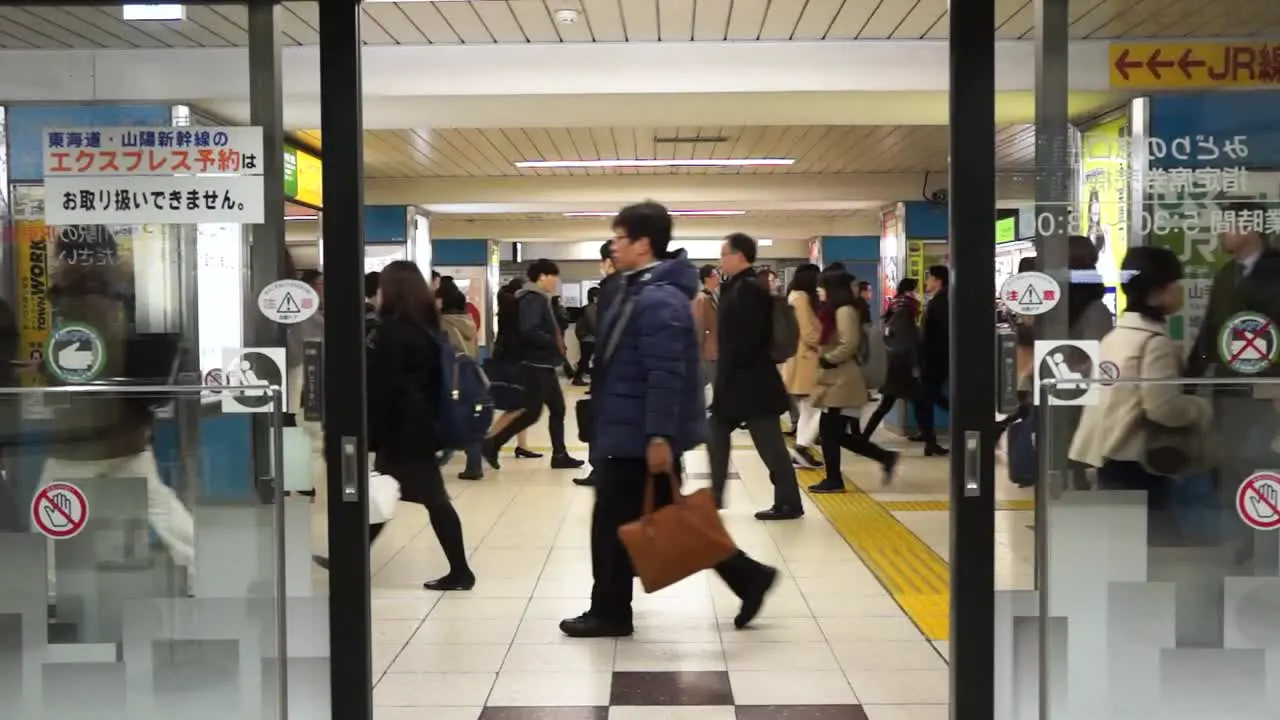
<point>913,574</point>
<point>945,505</point>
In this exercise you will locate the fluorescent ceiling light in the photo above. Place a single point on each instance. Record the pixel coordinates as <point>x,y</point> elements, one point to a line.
<point>681,213</point>
<point>155,12</point>
<point>721,162</point>
<point>763,242</point>
<point>292,218</point>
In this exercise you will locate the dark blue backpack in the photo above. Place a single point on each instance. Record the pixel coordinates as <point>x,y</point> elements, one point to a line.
<point>464,408</point>
<point>1021,450</point>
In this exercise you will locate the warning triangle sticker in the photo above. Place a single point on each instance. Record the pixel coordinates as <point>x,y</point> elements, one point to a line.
<point>288,306</point>
<point>1030,296</point>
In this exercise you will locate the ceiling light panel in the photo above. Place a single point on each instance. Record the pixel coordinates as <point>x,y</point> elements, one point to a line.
<point>694,162</point>
<point>154,12</point>
<point>677,213</point>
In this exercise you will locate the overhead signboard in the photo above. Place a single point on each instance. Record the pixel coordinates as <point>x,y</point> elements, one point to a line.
<point>1158,65</point>
<point>303,177</point>
<point>138,175</point>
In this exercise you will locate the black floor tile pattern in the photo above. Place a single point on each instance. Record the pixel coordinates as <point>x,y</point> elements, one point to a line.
<point>545,713</point>
<point>671,688</point>
<point>761,712</point>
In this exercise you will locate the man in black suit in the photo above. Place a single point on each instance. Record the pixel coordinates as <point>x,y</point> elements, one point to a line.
<point>748,388</point>
<point>935,358</point>
<point>609,287</point>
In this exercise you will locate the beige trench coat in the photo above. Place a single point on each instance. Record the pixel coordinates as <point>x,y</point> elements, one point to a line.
<point>841,386</point>
<point>800,372</point>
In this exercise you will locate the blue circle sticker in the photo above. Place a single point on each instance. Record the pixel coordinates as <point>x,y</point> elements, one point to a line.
<point>75,353</point>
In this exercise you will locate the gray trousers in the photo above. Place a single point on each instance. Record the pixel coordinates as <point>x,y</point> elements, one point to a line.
<point>766,435</point>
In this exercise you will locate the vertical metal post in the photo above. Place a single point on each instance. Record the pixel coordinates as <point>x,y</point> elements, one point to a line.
<point>1056,219</point>
<point>345,441</point>
<point>266,246</point>
<point>1055,173</point>
<point>973,381</point>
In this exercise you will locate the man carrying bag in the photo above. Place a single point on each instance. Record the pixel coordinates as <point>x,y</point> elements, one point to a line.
<point>647,400</point>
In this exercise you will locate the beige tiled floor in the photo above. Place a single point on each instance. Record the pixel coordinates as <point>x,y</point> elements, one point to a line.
<point>829,633</point>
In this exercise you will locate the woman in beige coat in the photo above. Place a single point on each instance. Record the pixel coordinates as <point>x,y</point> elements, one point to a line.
<point>839,389</point>
<point>800,371</point>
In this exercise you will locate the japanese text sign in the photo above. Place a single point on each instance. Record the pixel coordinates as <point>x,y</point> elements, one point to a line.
<point>1154,65</point>
<point>149,199</point>
<point>152,151</point>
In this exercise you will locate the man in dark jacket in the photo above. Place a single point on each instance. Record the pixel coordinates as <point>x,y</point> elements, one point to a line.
<point>609,287</point>
<point>935,358</point>
<point>748,388</point>
<point>649,412</point>
<point>541,352</point>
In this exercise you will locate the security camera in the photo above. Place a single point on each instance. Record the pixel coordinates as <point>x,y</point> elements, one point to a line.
<point>566,16</point>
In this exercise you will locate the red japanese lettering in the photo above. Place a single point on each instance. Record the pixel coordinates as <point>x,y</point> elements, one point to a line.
<point>133,160</point>
<point>108,164</point>
<point>181,160</point>
<point>206,158</point>
<point>59,162</point>
<point>84,160</point>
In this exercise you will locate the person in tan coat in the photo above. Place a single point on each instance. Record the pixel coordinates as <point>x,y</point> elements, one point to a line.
<point>800,371</point>
<point>840,389</point>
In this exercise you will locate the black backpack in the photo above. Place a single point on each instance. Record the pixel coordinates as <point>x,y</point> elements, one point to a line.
<point>785,335</point>
<point>508,347</point>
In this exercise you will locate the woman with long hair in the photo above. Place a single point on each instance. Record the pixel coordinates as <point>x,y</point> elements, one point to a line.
<point>902,345</point>
<point>801,370</point>
<point>840,389</point>
<point>405,378</point>
<point>461,332</point>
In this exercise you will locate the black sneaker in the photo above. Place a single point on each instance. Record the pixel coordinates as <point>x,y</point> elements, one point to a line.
<point>932,449</point>
<point>565,462</point>
<point>802,456</point>
<point>780,513</point>
<point>754,600</point>
<point>589,480</point>
<point>527,454</point>
<point>890,463</point>
<point>471,475</point>
<point>587,625</point>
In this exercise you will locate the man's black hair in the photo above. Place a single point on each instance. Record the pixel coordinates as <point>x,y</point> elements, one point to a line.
<point>371,284</point>
<point>744,244</point>
<point>538,268</point>
<point>593,294</point>
<point>435,275</point>
<point>837,265</point>
<point>646,220</point>
<point>706,271</point>
<point>606,251</point>
<point>863,285</point>
<point>942,273</point>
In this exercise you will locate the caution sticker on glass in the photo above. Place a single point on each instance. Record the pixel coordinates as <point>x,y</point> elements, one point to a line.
<point>1258,500</point>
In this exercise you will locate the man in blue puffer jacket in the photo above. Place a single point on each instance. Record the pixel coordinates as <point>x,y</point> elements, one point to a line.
<point>648,400</point>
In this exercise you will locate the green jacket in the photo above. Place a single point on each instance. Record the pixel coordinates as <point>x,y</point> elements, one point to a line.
<point>1257,292</point>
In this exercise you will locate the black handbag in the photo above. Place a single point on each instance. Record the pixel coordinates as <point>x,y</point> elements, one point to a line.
<point>506,383</point>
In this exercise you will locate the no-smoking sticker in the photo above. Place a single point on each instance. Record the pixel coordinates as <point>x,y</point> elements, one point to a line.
<point>1258,501</point>
<point>59,510</point>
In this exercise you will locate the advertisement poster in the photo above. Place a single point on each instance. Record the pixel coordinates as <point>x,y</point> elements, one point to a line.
<point>35,314</point>
<point>893,252</point>
<point>1104,200</point>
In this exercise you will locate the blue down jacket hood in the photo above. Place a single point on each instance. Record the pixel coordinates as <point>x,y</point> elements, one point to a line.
<point>648,381</point>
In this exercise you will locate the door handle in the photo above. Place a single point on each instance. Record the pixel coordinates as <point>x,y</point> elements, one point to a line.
<point>350,483</point>
<point>972,463</point>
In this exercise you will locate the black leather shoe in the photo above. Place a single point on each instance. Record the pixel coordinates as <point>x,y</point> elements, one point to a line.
<point>754,599</point>
<point>827,486</point>
<point>587,481</point>
<point>780,513</point>
<point>489,451</point>
<point>935,449</point>
<point>565,462</point>
<point>451,582</point>
<point>527,454</point>
<point>587,625</point>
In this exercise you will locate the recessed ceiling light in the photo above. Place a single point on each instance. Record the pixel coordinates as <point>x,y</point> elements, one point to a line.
<point>158,12</point>
<point>709,162</point>
<point>680,213</point>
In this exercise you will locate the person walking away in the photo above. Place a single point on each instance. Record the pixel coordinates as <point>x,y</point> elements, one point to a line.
<point>585,329</point>
<point>404,379</point>
<point>97,437</point>
<point>370,294</point>
<point>705,308</point>
<point>460,331</point>
<point>1117,434</point>
<point>611,285</point>
<point>562,323</point>
<point>541,353</point>
<point>748,388</point>
<point>935,362</point>
<point>800,370</point>
<point>1248,282</point>
<point>649,413</point>
<point>902,346</point>
<point>839,389</point>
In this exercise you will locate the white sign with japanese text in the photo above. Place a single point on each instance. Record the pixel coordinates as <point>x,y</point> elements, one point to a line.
<point>184,199</point>
<point>152,151</point>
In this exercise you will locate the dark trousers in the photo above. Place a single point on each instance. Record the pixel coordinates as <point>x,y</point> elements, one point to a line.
<point>541,387</point>
<point>620,500</point>
<point>932,392</point>
<point>836,431</point>
<point>588,349</point>
<point>766,435</point>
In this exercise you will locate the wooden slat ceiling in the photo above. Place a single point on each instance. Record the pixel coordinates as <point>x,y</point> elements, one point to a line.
<point>749,216</point>
<point>531,21</point>
<point>820,149</point>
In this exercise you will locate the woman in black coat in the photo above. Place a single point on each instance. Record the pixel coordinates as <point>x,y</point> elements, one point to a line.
<point>404,377</point>
<point>902,345</point>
